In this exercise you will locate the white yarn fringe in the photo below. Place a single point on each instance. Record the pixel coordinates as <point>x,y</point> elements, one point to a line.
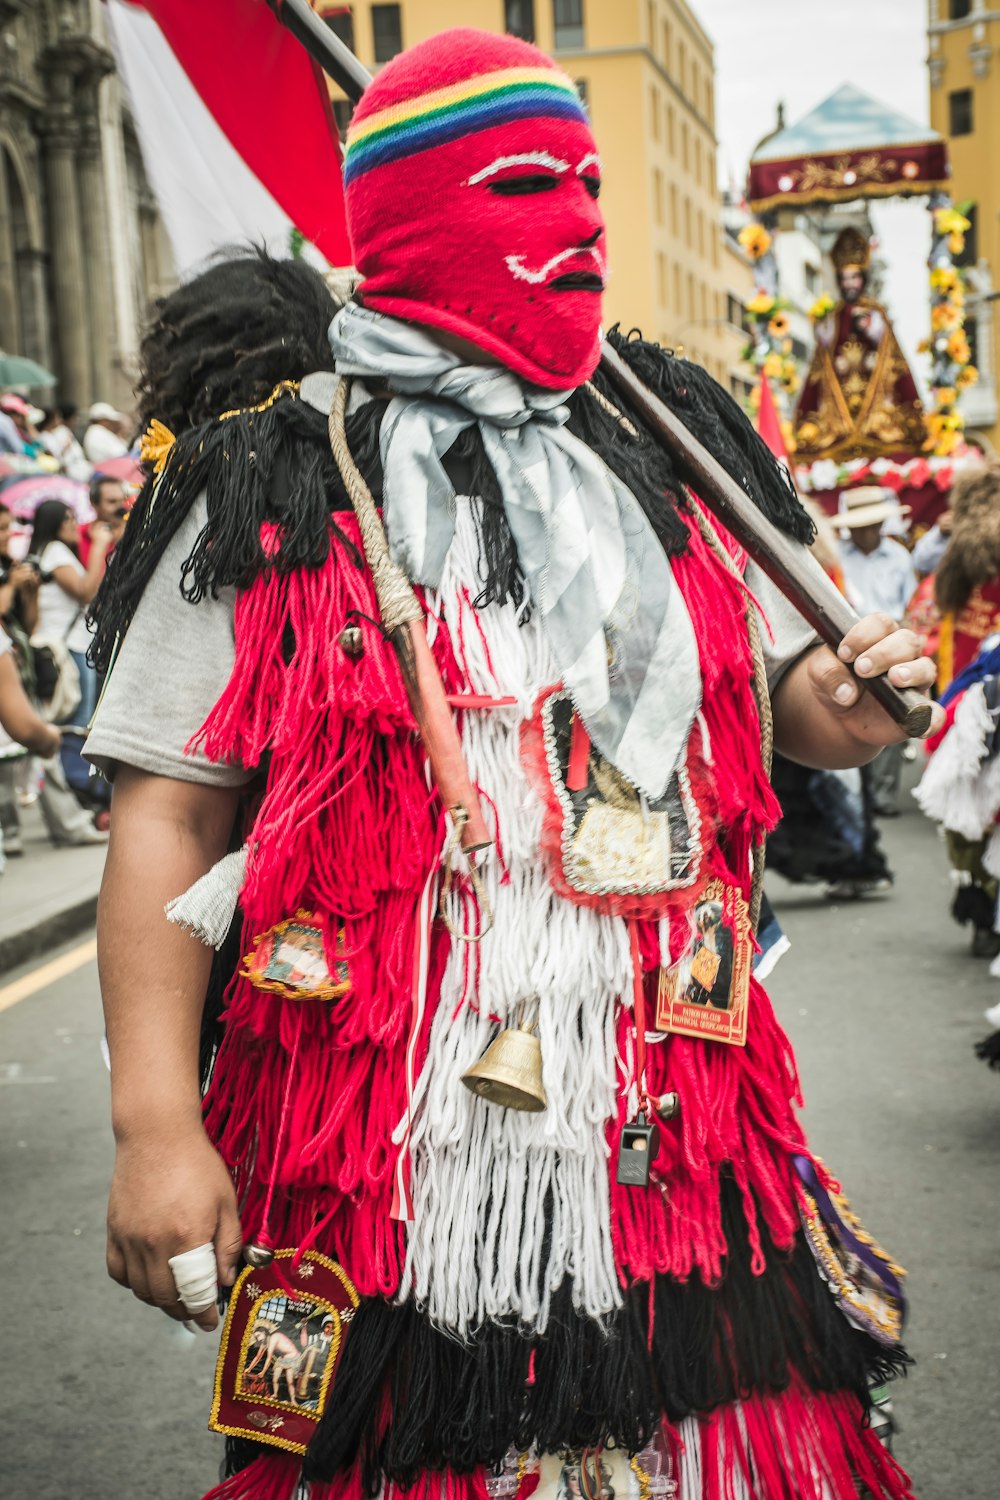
<point>508,1205</point>
<point>207,908</point>
<point>958,790</point>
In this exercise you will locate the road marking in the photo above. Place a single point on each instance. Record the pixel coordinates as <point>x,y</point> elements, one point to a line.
<point>40,979</point>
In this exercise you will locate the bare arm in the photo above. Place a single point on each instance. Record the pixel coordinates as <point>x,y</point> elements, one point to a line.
<point>170,1190</point>
<point>18,717</point>
<point>83,586</point>
<point>823,718</point>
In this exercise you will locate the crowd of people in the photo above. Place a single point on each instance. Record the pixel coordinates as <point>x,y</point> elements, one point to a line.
<point>61,516</point>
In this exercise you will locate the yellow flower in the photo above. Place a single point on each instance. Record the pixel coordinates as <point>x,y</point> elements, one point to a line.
<point>155,445</point>
<point>761,305</point>
<point>956,243</point>
<point>950,221</point>
<point>778,325</point>
<point>788,433</point>
<point>945,396</point>
<point>823,305</point>
<point>944,279</point>
<point>958,348</point>
<point>924,346</point>
<point>944,316</point>
<point>967,376</point>
<point>755,398</point>
<point>755,240</point>
<point>772,366</point>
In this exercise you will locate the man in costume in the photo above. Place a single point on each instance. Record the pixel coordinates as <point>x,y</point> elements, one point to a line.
<point>623,1255</point>
<point>859,399</point>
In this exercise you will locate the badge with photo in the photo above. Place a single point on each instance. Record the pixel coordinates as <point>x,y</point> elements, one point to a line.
<point>281,1342</point>
<point>290,959</point>
<point>706,991</point>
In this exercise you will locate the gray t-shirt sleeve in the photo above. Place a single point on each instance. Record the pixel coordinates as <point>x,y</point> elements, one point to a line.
<point>789,635</point>
<point>171,670</point>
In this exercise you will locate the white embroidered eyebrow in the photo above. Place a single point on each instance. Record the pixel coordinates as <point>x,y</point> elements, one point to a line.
<point>593,160</point>
<point>524,159</point>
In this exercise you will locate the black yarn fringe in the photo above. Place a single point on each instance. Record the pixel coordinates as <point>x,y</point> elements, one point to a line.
<point>410,1398</point>
<point>712,416</point>
<point>972,904</point>
<point>989,1050</point>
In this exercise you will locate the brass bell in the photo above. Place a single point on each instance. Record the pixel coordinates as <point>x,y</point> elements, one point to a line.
<point>351,641</point>
<point>258,1256</point>
<point>509,1073</point>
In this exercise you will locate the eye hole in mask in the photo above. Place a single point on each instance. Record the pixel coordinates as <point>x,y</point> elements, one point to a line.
<point>593,186</point>
<point>517,187</point>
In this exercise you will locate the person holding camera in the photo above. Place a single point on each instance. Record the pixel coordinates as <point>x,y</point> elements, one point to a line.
<point>107,496</point>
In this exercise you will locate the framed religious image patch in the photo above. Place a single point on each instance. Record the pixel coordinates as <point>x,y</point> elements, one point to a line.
<point>706,991</point>
<point>281,1343</point>
<point>290,959</point>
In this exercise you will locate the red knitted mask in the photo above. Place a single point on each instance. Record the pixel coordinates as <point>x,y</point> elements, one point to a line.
<point>471,177</point>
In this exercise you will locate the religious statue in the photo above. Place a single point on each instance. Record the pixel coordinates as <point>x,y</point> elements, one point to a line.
<point>859,399</point>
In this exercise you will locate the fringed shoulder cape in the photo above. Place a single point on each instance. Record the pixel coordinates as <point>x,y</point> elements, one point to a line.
<point>523,1318</point>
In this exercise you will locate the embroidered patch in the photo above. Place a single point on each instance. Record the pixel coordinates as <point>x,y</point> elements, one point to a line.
<point>281,1343</point>
<point>290,959</point>
<point>608,847</point>
<point>706,991</point>
<point>866,1284</point>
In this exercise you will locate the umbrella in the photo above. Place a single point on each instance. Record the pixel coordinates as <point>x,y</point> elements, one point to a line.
<point>127,469</point>
<point>16,370</point>
<point>25,494</point>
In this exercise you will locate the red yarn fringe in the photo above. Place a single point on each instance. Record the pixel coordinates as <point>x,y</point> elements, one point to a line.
<point>737,1113</point>
<point>276,1476</point>
<point>796,1446</point>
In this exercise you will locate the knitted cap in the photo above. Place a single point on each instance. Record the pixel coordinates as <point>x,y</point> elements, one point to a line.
<point>471,177</point>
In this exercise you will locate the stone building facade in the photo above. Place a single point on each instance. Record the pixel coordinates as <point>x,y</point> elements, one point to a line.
<point>82,251</point>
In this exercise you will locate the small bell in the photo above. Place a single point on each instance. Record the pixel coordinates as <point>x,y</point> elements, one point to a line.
<point>638,1146</point>
<point>351,641</point>
<point>258,1255</point>
<point>509,1073</point>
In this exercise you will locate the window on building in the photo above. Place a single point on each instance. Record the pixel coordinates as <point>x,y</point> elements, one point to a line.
<point>387,31</point>
<point>567,21</point>
<point>959,9</point>
<point>692,315</point>
<point>697,160</point>
<point>678,285</point>
<point>810,275</point>
<point>674,220</point>
<point>687,222</point>
<point>662,278</point>
<point>694,83</point>
<point>519,18</point>
<point>651,25</point>
<point>682,67</point>
<point>960,119</point>
<point>582,87</point>
<point>701,233</point>
<point>709,102</point>
<point>340,19</point>
<point>658,195</point>
<point>734,311</point>
<point>685,147</point>
<point>668,45</point>
<point>655,119</point>
<point>343,109</point>
<point>704,303</point>
<point>671,138</point>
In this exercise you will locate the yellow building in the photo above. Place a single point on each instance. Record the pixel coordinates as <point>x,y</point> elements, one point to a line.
<point>964,66</point>
<point>645,69</point>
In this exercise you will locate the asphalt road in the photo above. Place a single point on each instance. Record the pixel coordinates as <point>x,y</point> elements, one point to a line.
<point>102,1401</point>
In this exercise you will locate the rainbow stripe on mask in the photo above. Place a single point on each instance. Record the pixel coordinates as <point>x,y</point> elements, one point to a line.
<point>448,114</point>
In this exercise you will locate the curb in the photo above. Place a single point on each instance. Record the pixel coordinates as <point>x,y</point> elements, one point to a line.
<point>58,927</point>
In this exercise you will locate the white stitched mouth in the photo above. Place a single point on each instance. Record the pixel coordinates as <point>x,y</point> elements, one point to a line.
<point>515,264</point>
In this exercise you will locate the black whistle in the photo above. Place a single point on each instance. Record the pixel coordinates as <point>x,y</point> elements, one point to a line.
<point>638,1146</point>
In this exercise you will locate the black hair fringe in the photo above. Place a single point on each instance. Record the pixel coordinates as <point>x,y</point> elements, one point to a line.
<point>410,1398</point>
<point>989,1050</point>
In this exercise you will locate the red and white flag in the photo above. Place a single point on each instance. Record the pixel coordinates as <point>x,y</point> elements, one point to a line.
<point>769,423</point>
<point>235,125</point>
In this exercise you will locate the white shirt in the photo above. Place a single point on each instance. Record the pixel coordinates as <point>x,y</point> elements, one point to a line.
<point>881,581</point>
<point>100,443</point>
<point>58,614</point>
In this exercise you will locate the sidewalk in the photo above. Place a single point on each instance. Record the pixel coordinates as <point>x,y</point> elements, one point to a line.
<point>46,894</point>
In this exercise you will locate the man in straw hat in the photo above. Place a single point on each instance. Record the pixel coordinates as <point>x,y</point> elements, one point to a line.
<point>880,578</point>
<point>630,1252</point>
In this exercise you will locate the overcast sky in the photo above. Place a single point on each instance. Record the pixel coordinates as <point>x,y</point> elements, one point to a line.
<point>799,51</point>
